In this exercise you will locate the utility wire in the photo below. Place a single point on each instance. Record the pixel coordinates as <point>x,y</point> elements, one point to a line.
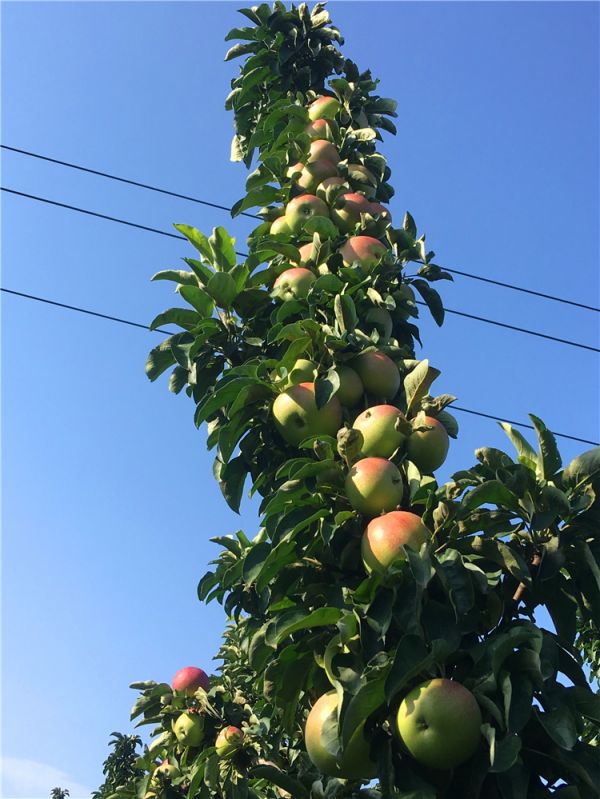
<point>245,255</point>
<point>169,333</point>
<point>470,275</point>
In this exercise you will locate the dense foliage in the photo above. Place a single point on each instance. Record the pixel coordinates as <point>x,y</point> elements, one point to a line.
<point>312,609</point>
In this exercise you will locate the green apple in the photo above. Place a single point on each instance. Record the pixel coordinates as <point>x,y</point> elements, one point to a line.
<point>365,251</point>
<point>439,722</point>
<point>165,769</point>
<point>302,208</point>
<point>323,150</point>
<point>385,536</point>
<point>280,227</point>
<point>294,170</point>
<point>320,733</point>
<point>381,320</point>
<point>378,426</point>
<point>351,387</point>
<point>379,374</point>
<point>189,679</point>
<point>189,729</point>
<point>314,173</point>
<point>428,449</point>
<point>229,740</point>
<point>297,417</point>
<point>374,486</point>
<point>324,107</point>
<point>347,210</point>
<point>294,283</point>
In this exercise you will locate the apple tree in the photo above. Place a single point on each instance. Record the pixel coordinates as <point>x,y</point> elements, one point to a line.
<point>389,636</point>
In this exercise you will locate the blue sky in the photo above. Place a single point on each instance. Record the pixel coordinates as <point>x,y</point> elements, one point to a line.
<point>109,499</point>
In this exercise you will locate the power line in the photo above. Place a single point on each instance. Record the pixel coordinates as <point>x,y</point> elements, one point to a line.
<point>482,319</point>
<point>169,333</point>
<point>149,187</point>
<point>121,180</point>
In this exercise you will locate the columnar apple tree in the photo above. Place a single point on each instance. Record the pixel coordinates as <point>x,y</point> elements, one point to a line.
<point>389,636</point>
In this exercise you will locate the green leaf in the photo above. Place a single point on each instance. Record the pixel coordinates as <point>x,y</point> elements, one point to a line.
<point>549,460</point>
<point>198,239</point>
<point>432,299</point>
<point>240,49</point>
<point>176,316</point>
<point>177,275</point>
<point>323,226</point>
<point>526,453</point>
<point>265,195</point>
<point>324,617</point>
<point>272,774</point>
<point>231,481</point>
<point>345,313</point>
<point>222,289</point>
<point>417,383</point>
<point>160,359</point>
<point>491,492</point>
<point>198,299</point>
<point>325,387</point>
<point>223,247</point>
<point>583,469</point>
<point>411,660</point>
<point>559,725</point>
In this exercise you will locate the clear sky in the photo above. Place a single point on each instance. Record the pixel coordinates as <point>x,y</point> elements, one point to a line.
<point>109,499</point>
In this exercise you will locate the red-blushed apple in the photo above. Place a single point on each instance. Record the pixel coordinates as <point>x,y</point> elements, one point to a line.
<point>379,374</point>
<point>324,107</point>
<point>294,283</point>
<point>378,428</point>
<point>385,536</point>
<point>439,722</point>
<point>347,210</point>
<point>351,387</point>
<point>229,740</point>
<point>378,208</point>
<point>355,763</point>
<point>428,449</point>
<point>302,208</point>
<point>314,173</point>
<point>280,227</point>
<point>364,250</point>
<point>323,150</point>
<point>374,486</point>
<point>297,417</point>
<point>294,170</point>
<point>189,679</point>
<point>322,129</point>
<point>306,254</point>
<point>381,320</point>
<point>189,729</point>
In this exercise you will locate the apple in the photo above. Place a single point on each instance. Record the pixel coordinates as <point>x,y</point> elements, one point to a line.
<point>351,387</point>
<point>322,129</point>
<point>347,210</point>
<point>315,172</point>
<point>280,227</point>
<point>428,450</point>
<point>439,722</point>
<point>229,740</point>
<point>378,428</point>
<point>374,486</point>
<point>302,208</point>
<point>297,417</point>
<point>189,729</point>
<point>385,536</point>
<point>381,320</point>
<point>364,250</point>
<point>355,763</point>
<point>323,150</point>
<point>324,107</point>
<point>294,283</point>
<point>169,770</point>
<point>325,184</point>
<point>302,371</point>
<point>379,374</point>
<point>294,170</point>
<point>189,679</point>
<point>378,208</point>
